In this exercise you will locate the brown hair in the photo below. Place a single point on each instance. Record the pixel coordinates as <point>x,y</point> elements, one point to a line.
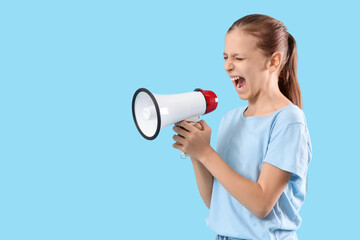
<point>273,37</point>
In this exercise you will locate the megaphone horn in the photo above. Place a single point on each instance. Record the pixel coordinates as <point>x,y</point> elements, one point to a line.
<point>153,112</point>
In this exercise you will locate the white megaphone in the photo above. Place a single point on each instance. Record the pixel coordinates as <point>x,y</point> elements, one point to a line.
<point>153,112</point>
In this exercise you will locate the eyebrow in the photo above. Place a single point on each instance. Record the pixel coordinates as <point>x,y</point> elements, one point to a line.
<point>233,54</point>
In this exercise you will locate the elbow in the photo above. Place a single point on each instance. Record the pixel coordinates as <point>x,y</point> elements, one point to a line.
<point>262,212</point>
<point>208,204</point>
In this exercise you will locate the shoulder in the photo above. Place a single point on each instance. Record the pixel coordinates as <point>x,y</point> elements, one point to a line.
<point>290,114</point>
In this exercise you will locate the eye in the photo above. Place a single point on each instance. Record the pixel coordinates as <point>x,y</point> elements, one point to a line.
<point>225,58</point>
<point>239,59</point>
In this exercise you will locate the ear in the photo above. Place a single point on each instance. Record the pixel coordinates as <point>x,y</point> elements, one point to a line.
<point>275,61</point>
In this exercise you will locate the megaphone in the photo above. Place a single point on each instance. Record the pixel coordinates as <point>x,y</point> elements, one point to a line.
<point>153,112</point>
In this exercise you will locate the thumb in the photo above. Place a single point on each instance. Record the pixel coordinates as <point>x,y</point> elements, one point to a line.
<point>203,124</point>
<point>198,126</point>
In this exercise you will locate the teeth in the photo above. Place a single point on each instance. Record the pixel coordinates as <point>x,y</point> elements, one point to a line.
<point>238,83</point>
<point>238,86</point>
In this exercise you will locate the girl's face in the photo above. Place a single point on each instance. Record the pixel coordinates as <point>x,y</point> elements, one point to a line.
<point>246,64</point>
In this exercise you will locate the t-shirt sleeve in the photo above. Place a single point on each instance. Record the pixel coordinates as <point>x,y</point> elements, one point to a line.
<point>288,149</point>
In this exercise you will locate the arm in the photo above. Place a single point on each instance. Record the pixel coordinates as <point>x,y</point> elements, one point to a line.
<point>204,181</point>
<point>258,197</point>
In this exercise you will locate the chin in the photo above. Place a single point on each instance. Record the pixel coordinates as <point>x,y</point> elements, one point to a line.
<point>243,97</point>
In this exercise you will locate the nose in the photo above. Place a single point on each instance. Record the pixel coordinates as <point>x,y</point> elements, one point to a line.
<point>228,65</point>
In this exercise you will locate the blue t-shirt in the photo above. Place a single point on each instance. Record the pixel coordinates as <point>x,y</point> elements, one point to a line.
<point>280,139</point>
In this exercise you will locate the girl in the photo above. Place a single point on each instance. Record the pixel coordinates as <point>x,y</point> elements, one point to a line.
<point>255,182</point>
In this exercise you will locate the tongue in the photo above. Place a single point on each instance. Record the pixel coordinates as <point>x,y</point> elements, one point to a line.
<point>241,82</point>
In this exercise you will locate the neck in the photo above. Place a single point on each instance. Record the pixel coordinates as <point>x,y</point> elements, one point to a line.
<point>268,100</point>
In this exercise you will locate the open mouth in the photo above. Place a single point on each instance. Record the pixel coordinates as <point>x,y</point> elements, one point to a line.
<point>239,82</point>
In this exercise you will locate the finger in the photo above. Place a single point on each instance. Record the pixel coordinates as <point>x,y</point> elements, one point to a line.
<point>178,146</point>
<point>187,126</point>
<point>179,139</point>
<point>177,124</point>
<point>182,132</point>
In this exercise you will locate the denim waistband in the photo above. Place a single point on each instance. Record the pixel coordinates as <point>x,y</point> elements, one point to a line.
<point>219,237</point>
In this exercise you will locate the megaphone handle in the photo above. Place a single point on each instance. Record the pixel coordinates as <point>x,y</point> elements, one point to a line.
<point>192,121</point>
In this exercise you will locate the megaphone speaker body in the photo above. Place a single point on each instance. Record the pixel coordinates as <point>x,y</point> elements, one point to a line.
<point>153,112</point>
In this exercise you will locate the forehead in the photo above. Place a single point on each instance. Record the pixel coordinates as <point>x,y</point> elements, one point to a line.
<point>238,41</point>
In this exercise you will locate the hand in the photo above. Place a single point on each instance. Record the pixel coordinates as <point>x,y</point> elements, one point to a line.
<point>194,140</point>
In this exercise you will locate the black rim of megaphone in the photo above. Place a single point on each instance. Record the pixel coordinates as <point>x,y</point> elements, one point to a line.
<point>157,113</point>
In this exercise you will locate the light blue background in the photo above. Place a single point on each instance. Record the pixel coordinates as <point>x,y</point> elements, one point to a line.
<point>72,163</point>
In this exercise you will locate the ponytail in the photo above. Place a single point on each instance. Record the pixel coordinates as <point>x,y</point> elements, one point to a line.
<point>288,83</point>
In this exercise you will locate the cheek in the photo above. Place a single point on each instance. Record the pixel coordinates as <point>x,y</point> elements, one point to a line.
<point>255,72</point>
<point>251,75</point>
